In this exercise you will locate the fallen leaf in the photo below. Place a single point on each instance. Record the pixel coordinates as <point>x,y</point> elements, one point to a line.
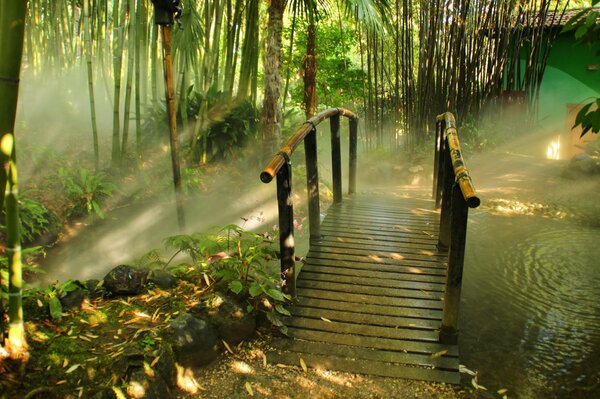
<point>439,354</point>
<point>206,279</point>
<point>476,385</point>
<point>463,369</point>
<point>84,338</point>
<point>502,391</point>
<point>249,388</point>
<point>65,363</point>
<point>156,359</point>
<point>122,313</point>
<point>72,368</point>
<point>40,304</point>
<point>61,382</point>
<point>327,320</point>
<point>227,347</point>
<point>303,365</point>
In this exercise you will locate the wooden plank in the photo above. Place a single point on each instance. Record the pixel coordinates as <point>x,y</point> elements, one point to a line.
<point>365,318</point>
<point>383,217</point>
<point>400,211</point>
<point>417,237</point>
<point>353,352</point>
<point>367,228</point>
<point>366,367</point>
<point>362,341</point>
<point>325,267</point>
<point>389,258</point>
<point>390,225</point>
<point>408,251</point>
<point>370,299</point>
<point>370,290</point>
<point>371,282</point>
<point>385,265</point>
<point>374,309</point>
<point>387,245</point>
<point>362,329</point>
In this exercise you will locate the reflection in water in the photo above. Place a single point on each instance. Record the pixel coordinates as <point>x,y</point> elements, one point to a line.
<point>531,306</point>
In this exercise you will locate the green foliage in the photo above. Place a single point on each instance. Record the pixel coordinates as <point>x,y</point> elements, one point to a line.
<point>339,78</point>
<point>85,190</point>
<point>29,256</point>
<point>54,292</point>
<point>230,124</point>
<point>587,30</point>
<point>35,218</point>
<point>239,261</point>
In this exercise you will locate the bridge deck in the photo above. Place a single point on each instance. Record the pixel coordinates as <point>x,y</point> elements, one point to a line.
<point>370,294</point>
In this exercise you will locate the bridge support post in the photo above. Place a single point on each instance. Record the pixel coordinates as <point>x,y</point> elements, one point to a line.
<point>447,178</point>
<point>286,227</point>
<point>353,150</point>
<point>438,162</point>
<point>336,158</point>
<point>312,182</point>
<point>456,257</point>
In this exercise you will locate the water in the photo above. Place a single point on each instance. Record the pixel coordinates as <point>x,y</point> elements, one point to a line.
<point>530,316</point>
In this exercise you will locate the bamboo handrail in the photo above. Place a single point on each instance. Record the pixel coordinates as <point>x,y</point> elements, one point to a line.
<point>270,171</point>
<point>280,167</point>
<point>461,173</point>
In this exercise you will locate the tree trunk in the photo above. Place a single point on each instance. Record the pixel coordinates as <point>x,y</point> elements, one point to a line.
<point>310,73</point>
<point>88,49</point>
<point>12,28</point>
<point>270,114</point>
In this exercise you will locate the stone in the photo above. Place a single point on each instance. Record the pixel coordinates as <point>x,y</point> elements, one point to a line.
<point>125,280</point>
<point>166,366</point>
<point>147,385</point>
<point>92,287</point>
<point>73,299</point>
<point>162,279</point>
<point>194,340</point>
<point>233,323</point>
<point>582,164</point>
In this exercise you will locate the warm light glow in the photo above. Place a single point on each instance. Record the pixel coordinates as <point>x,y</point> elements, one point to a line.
<point>415,270</point>
<point>396,256</point>
<point>553,150</point>
<point>136,390</point>
<point>186,380</point>
<point>242,367</point>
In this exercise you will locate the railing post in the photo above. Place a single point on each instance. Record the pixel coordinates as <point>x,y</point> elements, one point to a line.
<point>312,183</point>
<point>353,123</point>
<point>438,164</point>
<point>286,226</point>
<point>336,158</point>
<point>456,258</point>
<point>447,179</point>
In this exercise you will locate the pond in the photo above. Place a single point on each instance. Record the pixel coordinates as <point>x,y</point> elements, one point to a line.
<point>530,310</point>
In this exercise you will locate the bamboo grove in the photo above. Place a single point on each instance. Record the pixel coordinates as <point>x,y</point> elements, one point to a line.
<point>415,59</point>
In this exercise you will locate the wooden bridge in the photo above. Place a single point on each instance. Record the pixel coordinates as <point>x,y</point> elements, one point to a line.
<point>380,287</point>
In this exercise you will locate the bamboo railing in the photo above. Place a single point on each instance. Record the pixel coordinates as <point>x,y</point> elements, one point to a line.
<point>280,167</point>
<point>454,193</point>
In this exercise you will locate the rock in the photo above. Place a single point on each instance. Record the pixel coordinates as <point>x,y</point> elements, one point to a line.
<point>92,287</point>
<point>125,280</point>
<point>162,279</point>
<point>166,366</point>
<point>582,164</point>
<point>194,340</point>
<point>73,299</point>
<point>232,321</point>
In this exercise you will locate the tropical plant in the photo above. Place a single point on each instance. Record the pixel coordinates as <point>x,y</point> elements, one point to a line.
<point>85,190</point>
<point>35,219</point>
<point>231,259</point>
<point>586,29</point>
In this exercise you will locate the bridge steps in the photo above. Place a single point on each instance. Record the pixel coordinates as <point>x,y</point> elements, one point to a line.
<point>370,294</point>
